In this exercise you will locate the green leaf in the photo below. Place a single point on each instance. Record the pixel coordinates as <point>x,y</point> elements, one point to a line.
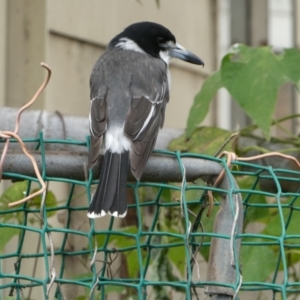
<point>241,52</point>
<point>292,257</point>
<point>131,297</point>
<point>257,262</point>
<point>163,270</point>
<point>82,297</point>
<point>100,238</point>
<point>275,228</point>
<point>166,195</point>
<point>201,102</point>
<point>13,193</point>
<point>290,64</point>
<point>176,255</point>
<point>253,213</point>
<point>122,241</point>
<point>17,191</point>
<point>115,289</point>
<point>7,233</point>
<point>204,140</point>
<point>133,265</point>
<point>50,202</point>
<point>83,276</point>
<point>253,77</point>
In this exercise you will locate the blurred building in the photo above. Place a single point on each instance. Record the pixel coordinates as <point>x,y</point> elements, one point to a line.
<point>70,35</point>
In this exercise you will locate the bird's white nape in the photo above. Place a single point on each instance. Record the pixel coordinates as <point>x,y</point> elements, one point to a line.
<point>128,44</point>
<point>164,55</point>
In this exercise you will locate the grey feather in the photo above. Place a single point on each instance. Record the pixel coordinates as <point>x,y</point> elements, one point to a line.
<point>95,146</point>
<point>126,97</point>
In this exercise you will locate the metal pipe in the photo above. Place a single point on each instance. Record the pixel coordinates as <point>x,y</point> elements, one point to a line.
<point>73,165</point>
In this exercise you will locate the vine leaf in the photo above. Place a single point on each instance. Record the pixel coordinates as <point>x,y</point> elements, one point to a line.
<point>202,101</point>
<point>253,77</point>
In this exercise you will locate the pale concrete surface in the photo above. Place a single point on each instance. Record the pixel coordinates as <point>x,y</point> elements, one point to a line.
<point>75,45</point>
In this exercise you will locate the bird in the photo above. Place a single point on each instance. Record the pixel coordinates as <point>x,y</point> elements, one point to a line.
<point>129,91</point>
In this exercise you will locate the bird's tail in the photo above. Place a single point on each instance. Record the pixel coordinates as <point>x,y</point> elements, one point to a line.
<point>110,196</point>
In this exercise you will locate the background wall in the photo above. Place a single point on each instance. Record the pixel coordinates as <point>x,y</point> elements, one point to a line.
<point>70,35</point>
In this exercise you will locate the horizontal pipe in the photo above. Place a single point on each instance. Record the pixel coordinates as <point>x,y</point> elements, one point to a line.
<point>73,165</point>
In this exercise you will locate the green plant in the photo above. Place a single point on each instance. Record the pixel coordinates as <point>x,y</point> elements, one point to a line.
<point>16,192</point>
<point>253,77</point>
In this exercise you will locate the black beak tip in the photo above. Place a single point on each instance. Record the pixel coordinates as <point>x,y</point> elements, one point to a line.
<point>195,60</point>
<point>200,62</point>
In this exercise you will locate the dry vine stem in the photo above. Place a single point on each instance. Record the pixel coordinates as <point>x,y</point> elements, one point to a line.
<point>231,156</point>
<point>9,134</point>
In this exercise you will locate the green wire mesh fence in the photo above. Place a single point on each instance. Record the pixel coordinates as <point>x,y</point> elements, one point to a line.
<point>166,248</point>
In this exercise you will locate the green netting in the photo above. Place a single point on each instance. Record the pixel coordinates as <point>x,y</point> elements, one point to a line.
<point>161,250</point>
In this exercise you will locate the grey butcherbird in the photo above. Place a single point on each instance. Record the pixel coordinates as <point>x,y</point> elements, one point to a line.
<point>129,93</point>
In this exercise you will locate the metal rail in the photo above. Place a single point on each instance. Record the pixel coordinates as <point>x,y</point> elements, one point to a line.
<point>70,164</point>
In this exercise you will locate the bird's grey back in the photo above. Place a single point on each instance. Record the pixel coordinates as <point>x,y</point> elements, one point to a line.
<point>121,75</point>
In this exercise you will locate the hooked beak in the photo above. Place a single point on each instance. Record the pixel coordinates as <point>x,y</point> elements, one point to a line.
<point>179,52</point>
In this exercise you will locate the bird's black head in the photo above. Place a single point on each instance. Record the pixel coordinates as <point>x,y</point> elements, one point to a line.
<point>153,39</point>
<point>149,37</point>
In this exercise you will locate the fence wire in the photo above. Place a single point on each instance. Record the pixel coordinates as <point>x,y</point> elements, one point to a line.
<point>167,248</point>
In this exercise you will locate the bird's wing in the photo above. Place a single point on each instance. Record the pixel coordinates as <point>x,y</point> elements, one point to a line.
<point>150,94</point>
<point>97,116</point>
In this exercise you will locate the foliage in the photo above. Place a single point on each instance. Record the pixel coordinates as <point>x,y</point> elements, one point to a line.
<point>253,77</point>
<point>16,192</point>
<point>204,140</point>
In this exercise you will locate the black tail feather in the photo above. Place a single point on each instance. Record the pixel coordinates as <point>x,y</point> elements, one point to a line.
<point>110,195</point>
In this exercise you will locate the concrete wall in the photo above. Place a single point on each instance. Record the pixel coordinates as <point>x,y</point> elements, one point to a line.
<point>78,34</point>
<point>297,23</point>
<point>2,50</point>
<point>25,48</point>
<point>70,35</point>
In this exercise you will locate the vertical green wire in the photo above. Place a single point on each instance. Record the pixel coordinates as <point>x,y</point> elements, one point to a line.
<point>187,226</point>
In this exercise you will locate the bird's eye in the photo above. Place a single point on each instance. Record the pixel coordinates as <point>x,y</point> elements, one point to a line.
<point>160,40</point>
